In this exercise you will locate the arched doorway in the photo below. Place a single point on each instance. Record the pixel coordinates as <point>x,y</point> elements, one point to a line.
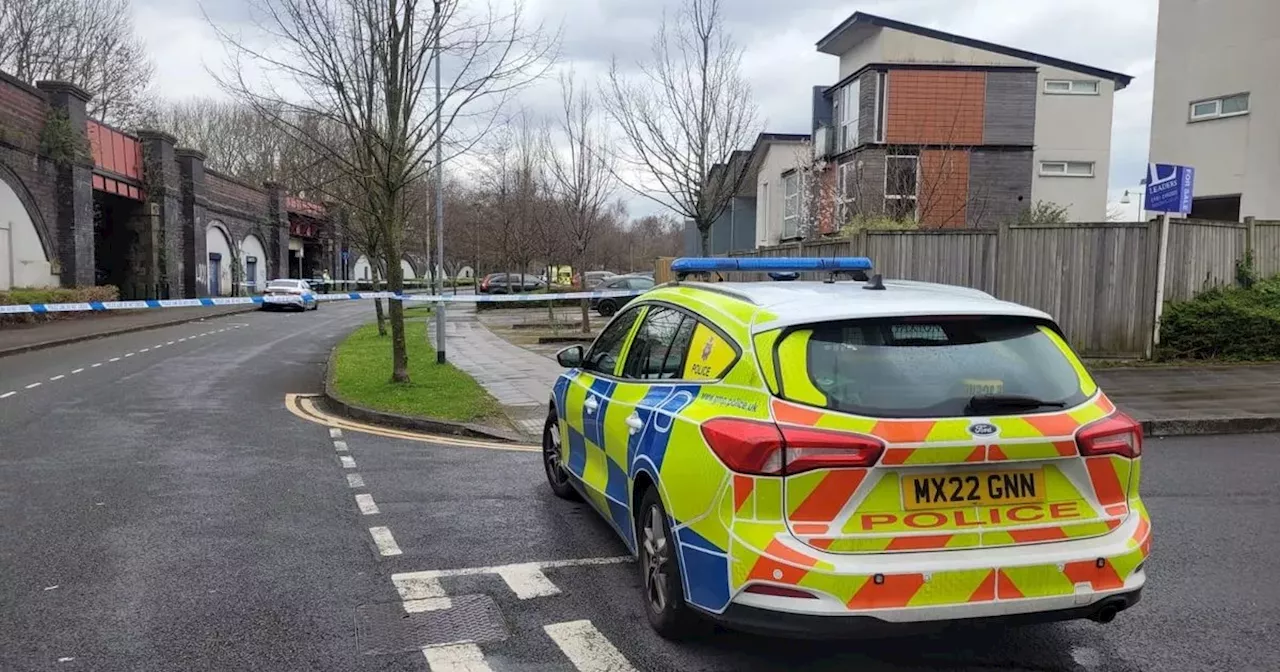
<point>362,270</point>
<point>407,269</point>
<point>253,255</point>
<point>218,247</point>
<point>23,262</point>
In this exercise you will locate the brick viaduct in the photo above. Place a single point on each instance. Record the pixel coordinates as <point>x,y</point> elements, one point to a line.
<point>139,213</point>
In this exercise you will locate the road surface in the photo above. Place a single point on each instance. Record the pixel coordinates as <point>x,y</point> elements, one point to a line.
<point>166,510</point>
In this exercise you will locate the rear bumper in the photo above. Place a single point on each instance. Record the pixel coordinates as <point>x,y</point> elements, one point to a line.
<point>761,621</point>
<point>283,302</point>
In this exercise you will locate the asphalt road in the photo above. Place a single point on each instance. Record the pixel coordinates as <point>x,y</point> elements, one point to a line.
<point>167,512</point>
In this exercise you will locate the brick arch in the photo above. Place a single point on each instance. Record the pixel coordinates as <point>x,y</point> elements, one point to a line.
<point>29,203</point>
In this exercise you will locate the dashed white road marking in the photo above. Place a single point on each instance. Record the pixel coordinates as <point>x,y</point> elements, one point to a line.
<point>114,359</point>
<point>340,446</point>
<point>96,365</point>
<point>169,343</point>
<point>386,543</point>
<point>77,371</point>
<point>6,395</point>
<point>367,506</point>
<point>526,579</point>
<point>348,462</point>
<point>34,385</point>
<point>456,658</point>
<point>145,350</point>
<point>335,433</point>
<point>129,354</point>
<point>181,339</point>
<point>355,481</point>
<point>57,377</point>
<point>587,648</point>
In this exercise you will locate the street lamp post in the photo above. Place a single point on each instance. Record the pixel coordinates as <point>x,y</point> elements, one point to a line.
<point>439,284</point>
<point>1140,193</point>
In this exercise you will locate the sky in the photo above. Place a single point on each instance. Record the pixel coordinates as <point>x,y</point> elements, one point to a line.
<point>780,60</point>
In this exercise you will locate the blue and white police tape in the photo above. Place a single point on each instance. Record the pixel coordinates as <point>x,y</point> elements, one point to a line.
<point>348,296</point>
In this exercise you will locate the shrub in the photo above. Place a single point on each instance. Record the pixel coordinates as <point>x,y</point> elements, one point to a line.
<point>1227,323</point>
<point>26,295</point>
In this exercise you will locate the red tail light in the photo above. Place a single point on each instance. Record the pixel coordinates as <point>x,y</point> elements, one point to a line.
<point>780,591</point>
<point>754,447</point>
<point>1117,434</point>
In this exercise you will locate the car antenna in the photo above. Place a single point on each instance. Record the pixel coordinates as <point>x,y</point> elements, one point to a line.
<point>876,282</point>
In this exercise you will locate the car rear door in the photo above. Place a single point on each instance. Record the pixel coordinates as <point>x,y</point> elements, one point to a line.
<point>919,434</point>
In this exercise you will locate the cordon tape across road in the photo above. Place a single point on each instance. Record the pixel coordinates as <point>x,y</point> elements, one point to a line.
<point>347,296</point>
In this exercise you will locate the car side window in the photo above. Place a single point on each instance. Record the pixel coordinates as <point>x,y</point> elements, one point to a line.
<point>640,283</point>
<point>652,345</point>
<point>604,354</point>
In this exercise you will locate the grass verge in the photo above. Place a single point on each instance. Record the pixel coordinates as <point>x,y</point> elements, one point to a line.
<point>362,376</point>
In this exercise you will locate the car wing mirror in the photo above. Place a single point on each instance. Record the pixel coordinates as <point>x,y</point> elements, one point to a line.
<point>570,357</point>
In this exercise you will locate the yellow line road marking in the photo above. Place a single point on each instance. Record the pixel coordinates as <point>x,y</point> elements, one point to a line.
<point>303,407</point>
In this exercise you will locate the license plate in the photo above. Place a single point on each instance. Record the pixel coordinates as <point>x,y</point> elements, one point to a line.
<point>976,488</point>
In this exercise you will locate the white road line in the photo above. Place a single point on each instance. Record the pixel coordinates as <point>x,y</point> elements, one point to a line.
<point>385,542</point>
<point>348,462</point>
<point>528,581</point>
<point>77,371</point>
<point>587,648</point>
<point>57,377</point>
<point>145,350</point>
<point>96,365</point>
<point>181,340</point>
<point>456,658</point>
<point>169,343</point>
<point>114,359</point>
<point>6,395</point>
<point>34,385</point>
<point>355,481</point>
<point>367,505</point>
<point>428,604</point>
<point>335,433</point>
<point>421,585</point>
<point>340,446</point>
<point>129,354</point>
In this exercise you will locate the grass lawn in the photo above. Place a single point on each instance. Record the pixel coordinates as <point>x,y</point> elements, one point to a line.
<point>362,376</point>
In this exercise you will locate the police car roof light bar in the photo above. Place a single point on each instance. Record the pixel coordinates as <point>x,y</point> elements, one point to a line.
<point>689,265</point>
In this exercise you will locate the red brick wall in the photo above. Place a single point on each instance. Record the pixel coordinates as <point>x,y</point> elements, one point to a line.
<point>22,115</point>
<point>943,192</point>
<point>228,193</point>
<point>935,107</point>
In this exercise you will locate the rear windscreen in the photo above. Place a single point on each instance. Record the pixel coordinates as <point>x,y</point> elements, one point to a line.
<point>927,367</point>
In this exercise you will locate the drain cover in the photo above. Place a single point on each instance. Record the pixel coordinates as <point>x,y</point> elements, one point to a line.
<point>386,628</point>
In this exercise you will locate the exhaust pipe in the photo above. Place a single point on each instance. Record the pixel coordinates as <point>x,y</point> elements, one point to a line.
<point>1107,612</point>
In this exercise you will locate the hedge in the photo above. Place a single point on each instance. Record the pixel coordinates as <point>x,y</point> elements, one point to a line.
<point>25,295</point>
<point>1230,323</point>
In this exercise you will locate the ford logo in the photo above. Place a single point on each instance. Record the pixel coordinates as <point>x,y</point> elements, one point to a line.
<point>983,429</point>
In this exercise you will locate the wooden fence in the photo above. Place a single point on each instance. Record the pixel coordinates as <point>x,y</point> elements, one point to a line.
<point>1097,280</point>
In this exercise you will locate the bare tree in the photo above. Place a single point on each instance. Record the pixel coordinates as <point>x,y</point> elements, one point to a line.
<point>366,66</point>
<point>90,43</point>
<point>583,172</point>
<point>686,111</point>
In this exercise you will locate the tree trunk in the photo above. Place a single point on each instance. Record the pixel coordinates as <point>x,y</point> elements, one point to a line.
<point>377,303</point>
<point>705,235</point>
<point>395,284</point>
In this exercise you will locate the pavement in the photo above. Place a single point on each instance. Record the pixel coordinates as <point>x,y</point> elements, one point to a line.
<point>165,509</point>
<point>1197,397</point>
<point>18,338</point>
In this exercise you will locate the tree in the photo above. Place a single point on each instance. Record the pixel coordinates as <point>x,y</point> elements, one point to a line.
<point>366,66</point>
<point>90,43</point>
<point>583,176</point>
<point>686,111</point>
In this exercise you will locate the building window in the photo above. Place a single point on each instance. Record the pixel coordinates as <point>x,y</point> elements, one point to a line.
<point>901,182</point>
<point>846,113</point>
<point>791,205</point>
<point>1066,168</point>
<point>1215,108</point>
<point>846,192</point>
<point>1079,87</point>
<point>882,82</point>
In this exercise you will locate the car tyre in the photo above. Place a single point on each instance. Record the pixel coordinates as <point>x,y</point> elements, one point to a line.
<point>607,308</point>
<point>669,615</point>
<point>557,475</point>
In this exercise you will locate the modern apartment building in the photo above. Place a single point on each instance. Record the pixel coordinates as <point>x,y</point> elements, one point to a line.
<point>957,132</point>
<point>1217,103</point>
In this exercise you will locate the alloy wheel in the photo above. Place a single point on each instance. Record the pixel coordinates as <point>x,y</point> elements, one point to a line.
<point>656,559</point>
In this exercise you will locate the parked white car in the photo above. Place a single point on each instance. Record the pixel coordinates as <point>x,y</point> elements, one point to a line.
<point>288,293</point>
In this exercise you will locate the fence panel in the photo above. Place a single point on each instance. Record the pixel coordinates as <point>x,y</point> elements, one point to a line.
<point>966,258</point>
<point>1097,281</point>
<point>1266,248</point>
<point>1202,255</point>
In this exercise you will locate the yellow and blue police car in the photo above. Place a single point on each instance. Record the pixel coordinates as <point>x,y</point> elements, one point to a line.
<point>814,458</point>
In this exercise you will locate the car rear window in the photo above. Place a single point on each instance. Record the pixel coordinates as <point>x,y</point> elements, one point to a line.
<point>928,367</point>
<point>283,284</point>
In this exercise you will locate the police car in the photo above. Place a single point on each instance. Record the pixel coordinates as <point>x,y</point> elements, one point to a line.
<point>815,458</point>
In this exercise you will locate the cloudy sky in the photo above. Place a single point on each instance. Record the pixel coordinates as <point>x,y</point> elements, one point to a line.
<point>780,60</point>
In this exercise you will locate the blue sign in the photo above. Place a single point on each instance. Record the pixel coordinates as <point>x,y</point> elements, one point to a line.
<point>345,255</point>
<point>1169,187</point>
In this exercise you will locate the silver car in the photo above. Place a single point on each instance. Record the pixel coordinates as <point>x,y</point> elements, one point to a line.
<point>289,294</point>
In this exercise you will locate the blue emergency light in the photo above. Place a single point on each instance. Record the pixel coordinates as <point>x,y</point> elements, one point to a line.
<point>686,265</point>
